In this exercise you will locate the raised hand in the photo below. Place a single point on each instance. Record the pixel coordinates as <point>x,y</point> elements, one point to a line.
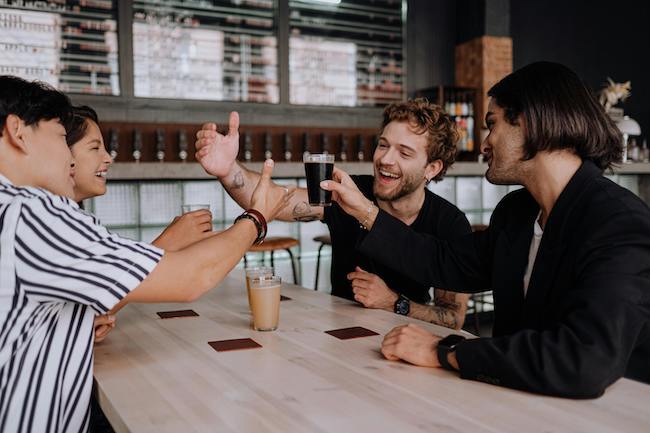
<point>269,198</point>
<point>217,153</point>
<point>371,290</point>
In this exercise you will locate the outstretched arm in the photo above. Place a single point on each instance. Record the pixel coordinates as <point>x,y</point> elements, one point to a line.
<point>217,154</point>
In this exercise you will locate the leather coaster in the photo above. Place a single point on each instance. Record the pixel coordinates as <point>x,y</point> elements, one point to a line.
<point>348,333</point>
<point>284,298</point>
<point>177,313</point>
<point>236,344</point>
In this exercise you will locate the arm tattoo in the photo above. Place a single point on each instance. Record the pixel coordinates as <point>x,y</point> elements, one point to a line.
<point>445,317</point>
<point>238,181</point>
<point>303,212</point>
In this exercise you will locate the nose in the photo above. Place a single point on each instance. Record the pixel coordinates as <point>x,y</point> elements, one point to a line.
<point>485,146</point>
<point>388,157</point>
<point>107,158</point>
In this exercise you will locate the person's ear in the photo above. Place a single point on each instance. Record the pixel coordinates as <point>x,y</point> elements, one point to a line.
<point>432,169</point>
<point>14,133</point>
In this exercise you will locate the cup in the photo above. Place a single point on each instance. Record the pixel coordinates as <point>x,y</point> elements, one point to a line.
<point>256,272</point>
<point>318,167</point>
<point>192,207</point>
<point>265,302</point>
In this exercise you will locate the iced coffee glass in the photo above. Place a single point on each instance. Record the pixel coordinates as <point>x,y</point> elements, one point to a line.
<point>256,272</point>
<point>265,302</point>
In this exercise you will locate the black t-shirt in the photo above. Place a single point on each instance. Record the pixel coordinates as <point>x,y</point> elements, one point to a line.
<point>437,217</point>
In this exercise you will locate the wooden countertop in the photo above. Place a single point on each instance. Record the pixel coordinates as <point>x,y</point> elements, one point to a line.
<point>156,375</point>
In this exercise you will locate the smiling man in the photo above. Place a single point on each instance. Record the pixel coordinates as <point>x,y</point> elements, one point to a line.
<point>417,144</point>
<point>567,256</point>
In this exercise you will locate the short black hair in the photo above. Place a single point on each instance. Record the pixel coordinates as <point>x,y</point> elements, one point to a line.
<point>32,101</point>
<point>559,112</point>
<point>79,123</point>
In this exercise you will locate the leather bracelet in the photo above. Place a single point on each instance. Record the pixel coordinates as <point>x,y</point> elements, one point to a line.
<point>261,232</point>
<point>257,214</point>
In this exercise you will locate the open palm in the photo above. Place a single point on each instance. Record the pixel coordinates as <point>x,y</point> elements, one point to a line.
<point>217,152</point>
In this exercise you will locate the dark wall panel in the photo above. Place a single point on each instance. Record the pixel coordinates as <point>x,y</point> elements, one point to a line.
<point>597,39</point>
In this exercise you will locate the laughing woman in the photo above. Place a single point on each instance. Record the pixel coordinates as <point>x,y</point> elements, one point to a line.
<point>92,163</point>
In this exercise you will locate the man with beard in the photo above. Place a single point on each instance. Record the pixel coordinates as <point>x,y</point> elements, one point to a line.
<point>417,144</point>
<point>567,256</point>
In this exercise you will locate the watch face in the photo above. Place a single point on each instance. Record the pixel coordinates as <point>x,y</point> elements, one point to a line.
<point>451,341</point>
<point>402,306</point>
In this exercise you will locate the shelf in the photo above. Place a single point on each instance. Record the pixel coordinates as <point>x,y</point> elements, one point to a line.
<point>193,171</point>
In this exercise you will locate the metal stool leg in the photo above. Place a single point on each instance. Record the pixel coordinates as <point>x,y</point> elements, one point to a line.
<point>318,266</point>
<point>293,267</point>
<point>272,265</point>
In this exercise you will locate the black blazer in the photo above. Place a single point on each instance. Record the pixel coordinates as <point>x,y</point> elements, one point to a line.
<point>585,321</point>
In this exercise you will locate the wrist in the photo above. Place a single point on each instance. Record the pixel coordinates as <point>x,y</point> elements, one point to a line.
<point>367,215</point>
<point>258,220</point>
<point>392,299</point>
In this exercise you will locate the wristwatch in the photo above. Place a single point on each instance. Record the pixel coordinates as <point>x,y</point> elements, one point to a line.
<point>446,346</point>
<point>402,305</point>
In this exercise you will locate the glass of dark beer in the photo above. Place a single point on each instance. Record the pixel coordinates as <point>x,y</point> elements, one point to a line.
<point>318,167</point>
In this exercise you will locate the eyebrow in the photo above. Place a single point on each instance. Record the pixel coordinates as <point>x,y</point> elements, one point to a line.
<point>94,141</point>
<point>401,145</point>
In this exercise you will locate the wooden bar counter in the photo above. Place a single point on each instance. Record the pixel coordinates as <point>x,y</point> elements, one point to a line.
<point>160,375</point>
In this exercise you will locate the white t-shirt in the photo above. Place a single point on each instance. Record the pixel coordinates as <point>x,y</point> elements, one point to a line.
<point>58,269</point>
<point>532,252</point>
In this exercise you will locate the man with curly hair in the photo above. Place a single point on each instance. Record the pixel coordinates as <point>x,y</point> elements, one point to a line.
<point>417,144</point>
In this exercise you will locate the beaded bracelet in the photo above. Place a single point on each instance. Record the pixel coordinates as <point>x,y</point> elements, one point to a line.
<point>259,221</point>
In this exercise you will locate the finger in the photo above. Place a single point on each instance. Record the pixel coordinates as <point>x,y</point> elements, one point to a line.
<point>267,170</point>
<point>341,176</point>
<point>205,227</point>
<point>388,350</point>
<point>209,126</point>
<point>104,319</point>
<point>360,298</point>
<point>359,276</point>
<point>359,269</point>
<point>233,123</point>
<point>332,185</point>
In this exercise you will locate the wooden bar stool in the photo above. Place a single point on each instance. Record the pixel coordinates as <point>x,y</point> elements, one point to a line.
<point>276,243</point>
<point>324,240</point>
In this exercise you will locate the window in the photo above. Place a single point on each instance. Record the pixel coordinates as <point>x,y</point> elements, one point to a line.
<point>71,45</point>
<point>218,50</point>
<point>346,53</point>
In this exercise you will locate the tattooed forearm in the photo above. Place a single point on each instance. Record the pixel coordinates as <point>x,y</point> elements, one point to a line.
<point>303,212</point>
<point>448,310</point>
<point>238,181</point>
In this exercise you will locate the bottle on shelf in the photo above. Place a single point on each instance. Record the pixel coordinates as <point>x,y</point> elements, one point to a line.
<point>287,146</point>
<point>360,148</point>
<point>113,143</point>
<point>248,147</point>
<point>160,145</point>
<point>305,145</point>
<point>182,145</point>
<point>343,151</point>
<point>325,143</point>
<point>268,146</point>
<point>137,145</point>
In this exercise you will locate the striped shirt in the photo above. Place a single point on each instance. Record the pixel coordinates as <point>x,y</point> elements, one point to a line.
<point>58,269</point>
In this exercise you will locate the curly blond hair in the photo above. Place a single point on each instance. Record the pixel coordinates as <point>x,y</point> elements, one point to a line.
<point>430,119</point>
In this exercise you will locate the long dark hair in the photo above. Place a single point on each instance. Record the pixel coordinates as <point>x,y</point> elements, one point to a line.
<point>79,123</point>
<point>559,112</point>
